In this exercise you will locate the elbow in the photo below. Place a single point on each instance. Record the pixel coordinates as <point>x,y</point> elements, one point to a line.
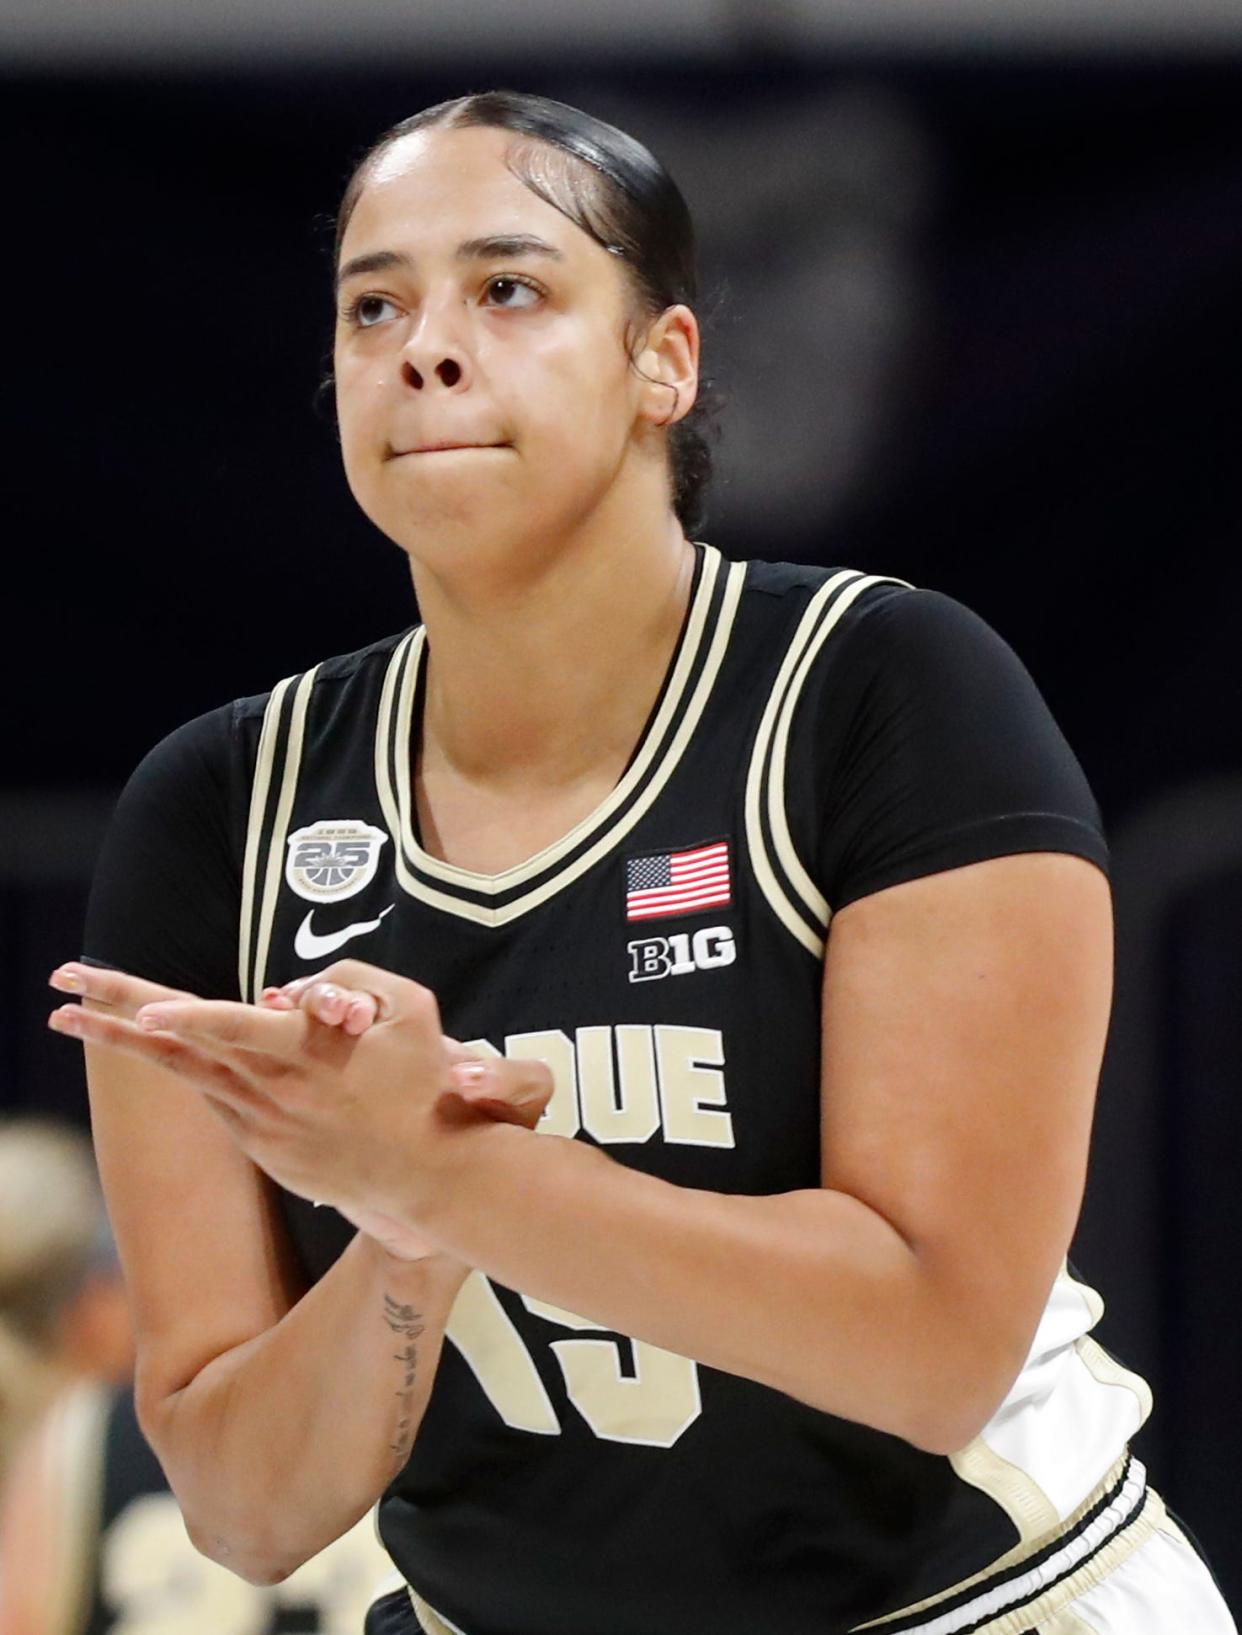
<point>214,1523</point>
<point>959,1389</point>
<point>947,1425</point>
<point>256,1566</point>
<point>943,1436</point>
<point>951,1418</point>
<point>257,1560</point>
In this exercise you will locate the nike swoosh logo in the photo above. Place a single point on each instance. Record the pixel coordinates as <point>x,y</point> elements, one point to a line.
<point>306,945</point>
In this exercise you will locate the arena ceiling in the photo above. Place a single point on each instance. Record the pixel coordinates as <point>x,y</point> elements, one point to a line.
<point>122,33</point>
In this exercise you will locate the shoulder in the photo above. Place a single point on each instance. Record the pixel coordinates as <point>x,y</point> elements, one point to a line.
<point>851,636</point>
<point>365,662</point>
<point>351,676</point>
<point>170,880</point>
<point>868,609</point>
<point>220,745</point>
<point>902,736</point>
<point>897,623</point>
<point>197,777</point>
<point>844,641</point>
<point>802,605</point>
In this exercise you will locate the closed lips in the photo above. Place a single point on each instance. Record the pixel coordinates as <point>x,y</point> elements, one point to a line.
<point>442,448</point>
<point>445,445</point>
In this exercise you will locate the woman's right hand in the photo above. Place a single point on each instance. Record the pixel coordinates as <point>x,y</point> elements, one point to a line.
<point>494,1089</point>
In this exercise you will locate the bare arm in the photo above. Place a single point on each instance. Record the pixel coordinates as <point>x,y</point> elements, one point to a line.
<point>964,1024</point>
<point>250,1386</point>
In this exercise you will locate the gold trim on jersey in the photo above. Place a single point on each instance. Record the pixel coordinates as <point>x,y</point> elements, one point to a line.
<point>432,1622</point>
<point>806,919</point>
<point>1129,1521</point>
<point>1109,1371</point>
<point>284,806</point>
<point>252,970</point>
<point>1092,1298</point>
<point>254,827</point>
<point>798,876</point>
<point>653,741</point>
<point>663,746</point>
<point>1100,1362</point>
<point>1140,1512</point>
<point>1015,1490</point>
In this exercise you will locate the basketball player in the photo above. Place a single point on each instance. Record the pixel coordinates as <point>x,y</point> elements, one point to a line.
<point>782,878</point>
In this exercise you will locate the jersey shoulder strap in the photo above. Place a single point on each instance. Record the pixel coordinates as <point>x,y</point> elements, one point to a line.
<point>299,711</point>
<point>781,873</point>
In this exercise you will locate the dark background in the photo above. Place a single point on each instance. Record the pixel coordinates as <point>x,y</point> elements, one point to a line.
<point>977,327</point>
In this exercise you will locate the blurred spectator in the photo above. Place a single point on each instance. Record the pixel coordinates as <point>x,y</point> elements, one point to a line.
<point>63,1312</point>
<point>91,1538</point>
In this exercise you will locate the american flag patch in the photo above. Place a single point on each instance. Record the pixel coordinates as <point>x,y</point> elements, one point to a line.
<point>677,882</point>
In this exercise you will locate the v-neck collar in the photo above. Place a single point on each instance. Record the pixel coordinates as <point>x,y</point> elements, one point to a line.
<point>496,899</point>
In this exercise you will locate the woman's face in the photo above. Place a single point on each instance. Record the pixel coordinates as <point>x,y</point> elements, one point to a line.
<point>515,349</point>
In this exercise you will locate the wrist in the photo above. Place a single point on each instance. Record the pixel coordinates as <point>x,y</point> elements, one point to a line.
<point>448,1193</point>
<point>438,1268</point>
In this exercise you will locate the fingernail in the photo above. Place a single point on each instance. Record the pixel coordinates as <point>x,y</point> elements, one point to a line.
<point>68,1019</point>
<point>66,980</point>
<point>469,1072</point>
<point>150,1018</point>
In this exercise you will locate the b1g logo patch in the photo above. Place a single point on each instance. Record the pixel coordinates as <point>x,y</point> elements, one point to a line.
<point>333,859</point>
<point>710,949</point>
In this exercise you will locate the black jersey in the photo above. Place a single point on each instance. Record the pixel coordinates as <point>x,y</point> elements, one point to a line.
<point>820,735</point>
<point>124,1563</point>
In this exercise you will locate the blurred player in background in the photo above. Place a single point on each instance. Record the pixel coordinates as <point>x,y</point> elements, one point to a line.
<point>91,1539</point>
<point>63,1310</point>
<point>785,879</point>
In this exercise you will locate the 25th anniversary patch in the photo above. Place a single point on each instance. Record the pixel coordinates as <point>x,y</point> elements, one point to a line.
<point>333,859</point>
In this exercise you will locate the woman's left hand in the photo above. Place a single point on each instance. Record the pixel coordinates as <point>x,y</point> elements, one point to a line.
<point>370,1122</point>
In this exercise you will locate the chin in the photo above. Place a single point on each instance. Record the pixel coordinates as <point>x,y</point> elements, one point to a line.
<point>442,532</point>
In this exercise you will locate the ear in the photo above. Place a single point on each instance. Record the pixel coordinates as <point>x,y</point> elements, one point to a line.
<point>669,366</point>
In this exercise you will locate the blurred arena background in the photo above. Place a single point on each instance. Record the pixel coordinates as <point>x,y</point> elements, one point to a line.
<point>972,274</point>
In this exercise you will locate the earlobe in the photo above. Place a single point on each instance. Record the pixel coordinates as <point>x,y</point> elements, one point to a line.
<point>650,366</point>
<point>666,361</point>
<point>676,391</point>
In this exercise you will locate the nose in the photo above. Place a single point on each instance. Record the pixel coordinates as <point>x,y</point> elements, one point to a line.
<point>448,371</point>
<point>434,353</point>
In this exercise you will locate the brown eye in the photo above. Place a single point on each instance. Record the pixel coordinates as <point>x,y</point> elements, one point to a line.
<point>508,288</point>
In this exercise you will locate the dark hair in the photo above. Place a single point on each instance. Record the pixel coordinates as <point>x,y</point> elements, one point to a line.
<point>619,194</point>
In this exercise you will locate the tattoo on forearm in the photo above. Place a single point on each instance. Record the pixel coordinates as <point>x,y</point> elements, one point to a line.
<point>404,1321</point>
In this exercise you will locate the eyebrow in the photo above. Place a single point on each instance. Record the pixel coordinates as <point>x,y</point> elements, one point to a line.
<point>493,247</point>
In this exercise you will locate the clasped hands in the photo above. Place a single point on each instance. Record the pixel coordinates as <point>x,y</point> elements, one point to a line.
<point>340,1086</point>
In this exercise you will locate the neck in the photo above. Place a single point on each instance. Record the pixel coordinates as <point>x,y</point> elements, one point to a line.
<point>547,674</point>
